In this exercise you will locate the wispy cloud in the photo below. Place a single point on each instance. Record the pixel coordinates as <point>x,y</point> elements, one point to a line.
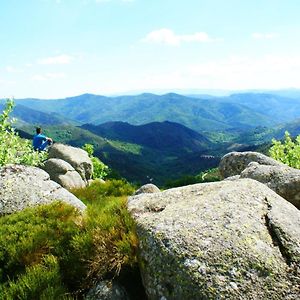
<point>47,76</point>
<point>246,72</point>
<point>264,36</point>
<point>169,37</point>
<point>62,59</point>
<point>11,69</point>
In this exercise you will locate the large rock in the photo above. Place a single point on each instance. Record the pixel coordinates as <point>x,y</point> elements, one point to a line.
<point>148,189</point>
<point>223,240</point>
<point>76,157</point>
<point>63,173</point>
<point>24,186</point>
<point>283,180</point>
<point>234,163</point>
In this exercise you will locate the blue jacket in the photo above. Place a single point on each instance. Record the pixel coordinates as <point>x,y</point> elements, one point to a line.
<point>38,142</point>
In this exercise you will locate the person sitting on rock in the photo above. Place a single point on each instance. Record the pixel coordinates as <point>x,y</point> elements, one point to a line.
<point>40,141</point>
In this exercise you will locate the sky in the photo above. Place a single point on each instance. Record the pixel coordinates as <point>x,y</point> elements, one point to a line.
<point>60,48</point>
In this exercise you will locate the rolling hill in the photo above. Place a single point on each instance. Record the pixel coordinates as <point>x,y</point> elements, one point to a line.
<point>138,154</point>
<point>282,109</point>
<point>198,114</point>
<point>26,115</point>
<point>163,136</point>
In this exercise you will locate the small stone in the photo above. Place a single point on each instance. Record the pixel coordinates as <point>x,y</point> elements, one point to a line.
<point>233,285</point>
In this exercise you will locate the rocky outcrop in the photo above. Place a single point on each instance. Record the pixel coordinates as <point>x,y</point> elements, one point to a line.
<point>63,173</point>
<point>107,290</point>
<point>283,180</point>
<point>223,240</point>
<point>148,189</point>
<point>234,163</point>
<point>76,157</point>
<point>24,186</point>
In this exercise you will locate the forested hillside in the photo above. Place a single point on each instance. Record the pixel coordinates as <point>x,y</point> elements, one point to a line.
<point>210,113</point>
<point>177,136</point>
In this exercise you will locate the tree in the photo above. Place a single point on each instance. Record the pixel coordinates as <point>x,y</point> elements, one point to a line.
<point>13,149</point>
<point>288,151</point>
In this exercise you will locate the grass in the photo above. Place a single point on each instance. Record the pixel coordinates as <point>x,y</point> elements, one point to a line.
<point>53,252</point>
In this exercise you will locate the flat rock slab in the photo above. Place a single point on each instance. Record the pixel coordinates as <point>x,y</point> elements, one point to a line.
<point>24,186</point>
<point>223,240</point>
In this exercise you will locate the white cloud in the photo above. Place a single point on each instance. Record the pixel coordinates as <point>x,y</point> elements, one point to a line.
<point>38,77</point>
<point>269,71</point>
<point>11,69</point>
<point>6,82</point>
<point>55,60</point>
<point>231,73</point>
<point>168,37</point>
<point>264,36</point>
<point>47,76</point>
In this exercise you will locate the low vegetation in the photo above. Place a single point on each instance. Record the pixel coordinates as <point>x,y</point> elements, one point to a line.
<point>210,175</point>
<point>53,252</point>
<point>13,149</point>
<point>287,151</point>
<point>100,170</point>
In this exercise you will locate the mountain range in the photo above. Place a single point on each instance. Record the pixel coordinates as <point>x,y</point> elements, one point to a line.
<point>200,114</point>
<point>162,136</point>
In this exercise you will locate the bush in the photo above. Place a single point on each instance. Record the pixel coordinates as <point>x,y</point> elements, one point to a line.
<point>98,190</point>
<point>13,149</point>
<point>41,280</point>
<point>54,249</point>
<point>29,236</point>
<point>287,152</point>
<point>100,169</point>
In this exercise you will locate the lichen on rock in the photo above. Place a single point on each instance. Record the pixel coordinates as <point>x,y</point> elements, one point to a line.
<point>226,240</point>
<point>25,186</point>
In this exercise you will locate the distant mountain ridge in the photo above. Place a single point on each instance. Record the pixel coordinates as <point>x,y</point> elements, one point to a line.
<point>26,115</point>
<point>205,113</point>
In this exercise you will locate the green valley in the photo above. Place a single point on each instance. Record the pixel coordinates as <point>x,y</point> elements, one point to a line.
<point>158,138</point>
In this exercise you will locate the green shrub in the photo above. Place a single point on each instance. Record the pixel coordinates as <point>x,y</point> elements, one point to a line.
<point>114,237</point>
<point>98,190</point>
<point>287,152</point>
<point>41,281</point>
<point>13,149</point>
<point>54,249</point>
<point>100,169</point>
<point>30,235</point>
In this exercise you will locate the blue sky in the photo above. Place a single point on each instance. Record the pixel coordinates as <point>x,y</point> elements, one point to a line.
<point>59,48</point>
